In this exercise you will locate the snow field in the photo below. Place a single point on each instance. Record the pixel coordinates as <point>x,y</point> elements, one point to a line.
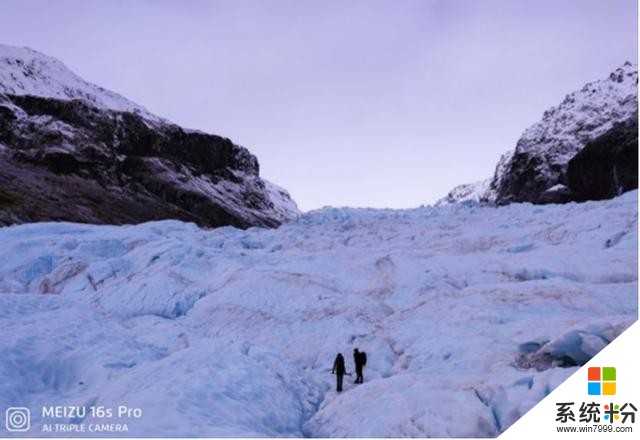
<point>466,314</point>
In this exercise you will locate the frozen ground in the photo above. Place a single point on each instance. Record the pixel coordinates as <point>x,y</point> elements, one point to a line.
<point>233,333</point>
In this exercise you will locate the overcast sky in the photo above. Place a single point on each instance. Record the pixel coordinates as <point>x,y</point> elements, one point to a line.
<point>345,103</point>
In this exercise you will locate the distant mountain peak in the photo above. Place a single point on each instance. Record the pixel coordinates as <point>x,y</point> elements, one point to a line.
<point>25,71</point>
<point>538,163</point>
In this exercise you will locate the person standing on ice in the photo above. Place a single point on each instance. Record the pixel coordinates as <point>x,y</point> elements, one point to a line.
<point>360,360</point>
<point>339,371</point>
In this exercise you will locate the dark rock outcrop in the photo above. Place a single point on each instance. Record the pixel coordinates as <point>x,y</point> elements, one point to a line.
<point>68,161</point>
<point>608,165</point>
<point>537,170</point>
<point>98,158</point>
<point>523,181</point>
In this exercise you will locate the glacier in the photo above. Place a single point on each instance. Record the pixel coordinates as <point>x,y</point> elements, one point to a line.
<point>469,315</point>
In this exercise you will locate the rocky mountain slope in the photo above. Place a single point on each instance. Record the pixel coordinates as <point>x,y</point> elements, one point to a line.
<point>537,170</point>
<point>73,151</point>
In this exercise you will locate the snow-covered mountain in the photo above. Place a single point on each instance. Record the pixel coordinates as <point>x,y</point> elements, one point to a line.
<point>73,151</point>
<point>467,192</point>
<point>469,315</point>
<point>24,71</point>
<point>536,170</point>
<point>496,182</point>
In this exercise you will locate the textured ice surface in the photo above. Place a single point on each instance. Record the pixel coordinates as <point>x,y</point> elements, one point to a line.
<point>461,310</point>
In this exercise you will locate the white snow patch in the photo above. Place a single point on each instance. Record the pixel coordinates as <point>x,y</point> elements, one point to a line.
<point>24,71</point>
<point>468,192</point>
<point>283,204</point>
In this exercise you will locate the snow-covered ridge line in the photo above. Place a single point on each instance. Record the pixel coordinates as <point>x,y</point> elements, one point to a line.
<point>584,114</point>
<point>24,71</point>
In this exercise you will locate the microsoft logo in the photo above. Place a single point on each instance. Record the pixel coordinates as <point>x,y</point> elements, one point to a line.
<point>602,381</point>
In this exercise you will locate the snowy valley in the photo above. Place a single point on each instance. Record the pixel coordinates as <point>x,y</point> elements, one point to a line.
<point>461,309</point>
<point>151,266</point>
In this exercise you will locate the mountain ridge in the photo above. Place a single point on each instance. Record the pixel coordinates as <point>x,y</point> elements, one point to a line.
<point>26,71</point>
<point>74,151</point>
<point>535,170</point>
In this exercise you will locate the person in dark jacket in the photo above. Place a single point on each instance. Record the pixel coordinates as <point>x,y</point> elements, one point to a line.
<point>339,370</point>
<point>359,360</point>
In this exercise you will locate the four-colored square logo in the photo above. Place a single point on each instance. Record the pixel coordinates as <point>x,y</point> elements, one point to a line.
<point>602,381</point>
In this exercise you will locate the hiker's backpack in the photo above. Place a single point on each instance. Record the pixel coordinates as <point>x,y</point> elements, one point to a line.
<point>364,358</point>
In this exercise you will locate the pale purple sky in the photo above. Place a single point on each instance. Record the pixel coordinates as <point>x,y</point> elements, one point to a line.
<point>345,103</point>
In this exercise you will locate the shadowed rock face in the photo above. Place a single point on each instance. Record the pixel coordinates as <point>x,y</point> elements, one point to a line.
<point>537,170</point>
<point>65,160</point>
<point>523,181</point>
<point>608,165</point>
